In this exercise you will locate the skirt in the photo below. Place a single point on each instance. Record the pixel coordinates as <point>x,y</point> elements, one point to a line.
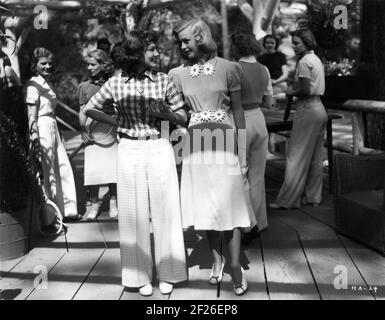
<point>214,194</point>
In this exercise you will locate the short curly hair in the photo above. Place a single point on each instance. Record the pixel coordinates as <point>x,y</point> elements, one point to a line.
<point>38,53</point>
<point>131,52</point>
<point>244,43</point>
<point>306,36</point>
<point>270,36</point>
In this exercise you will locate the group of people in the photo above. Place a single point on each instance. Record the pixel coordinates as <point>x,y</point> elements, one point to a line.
<point>207,94</point>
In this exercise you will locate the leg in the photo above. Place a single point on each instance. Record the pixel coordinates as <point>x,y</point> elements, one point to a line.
<point>113,207</point>
<point>257,150</point>
<point>233,240</point>
<point>215,240</point>
<point>313,189</point>
<point>134,226</point>
<point>165,211</point>
<point>310,120</point>
<point>93,213</point>
<point>67,180</point>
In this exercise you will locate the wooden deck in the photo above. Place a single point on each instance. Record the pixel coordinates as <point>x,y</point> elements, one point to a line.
<point>299,256</point>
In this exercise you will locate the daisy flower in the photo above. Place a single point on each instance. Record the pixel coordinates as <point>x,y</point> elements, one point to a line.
<point>208,69</point>
<point>206,116</point>
<point>219,116</point>
<point>194,71</point>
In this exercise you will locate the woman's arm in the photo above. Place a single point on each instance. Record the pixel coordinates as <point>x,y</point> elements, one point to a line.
<point>303,89</point>
<point>34,142</point>
<point>283,77</point>
<point>98,115</point>
<point>240,123</point>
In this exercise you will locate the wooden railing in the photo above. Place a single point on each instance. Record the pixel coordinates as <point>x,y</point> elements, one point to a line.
<point>359,109</point>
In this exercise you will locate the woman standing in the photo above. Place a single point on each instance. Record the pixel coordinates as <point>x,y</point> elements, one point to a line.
<point>303,175</point>
<point>257,91</point>
<point>276,63</point>
<point>213,194</point>
<point>148,192</point>
<point>99,158</point>
<point>45,141</point>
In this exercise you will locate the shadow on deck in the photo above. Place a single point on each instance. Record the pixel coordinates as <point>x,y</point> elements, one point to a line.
<point>299,256</point>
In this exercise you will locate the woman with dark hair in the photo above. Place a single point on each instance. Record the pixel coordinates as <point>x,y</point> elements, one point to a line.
<point>303,175</point>
<point>213,193</point>
<point>99,157</point>
<point>116,56</point>
<point>276,63</point>
<point>46,144</point>
<point>147,182</point>
<point>257,91</point>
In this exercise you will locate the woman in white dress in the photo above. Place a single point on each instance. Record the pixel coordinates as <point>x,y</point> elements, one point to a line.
<point>46,143</point>
<point>213,192</point>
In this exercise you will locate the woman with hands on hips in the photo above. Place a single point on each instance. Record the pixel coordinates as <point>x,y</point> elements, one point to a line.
<point>147,182</point>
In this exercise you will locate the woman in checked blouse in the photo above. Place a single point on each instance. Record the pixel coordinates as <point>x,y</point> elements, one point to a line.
<point>213,193</point>
<point>147,182</point>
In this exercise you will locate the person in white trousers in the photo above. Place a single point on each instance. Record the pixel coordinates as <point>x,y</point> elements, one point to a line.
<point>303,175</point>
<point>257,92</point>
<point>147,182</point>
<point>46,143</point>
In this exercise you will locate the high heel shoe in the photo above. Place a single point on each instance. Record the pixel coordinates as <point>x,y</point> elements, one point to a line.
<point>241,288</point>
<point>216,279</point>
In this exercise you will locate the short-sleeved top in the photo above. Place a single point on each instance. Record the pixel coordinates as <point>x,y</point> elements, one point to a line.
<point>311,67</point>
<point>274,63</point>
<point>256,83</point>
<point>39,92</point>
<point>208,92</point>
<point>132,98</point>
<point>87,90</point>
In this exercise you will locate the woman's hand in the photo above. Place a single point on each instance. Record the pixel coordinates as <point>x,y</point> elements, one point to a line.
<point>85,137</point>
<point>160,109</point>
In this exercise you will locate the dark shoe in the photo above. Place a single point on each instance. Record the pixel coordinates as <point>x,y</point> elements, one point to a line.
<point>248,237</point>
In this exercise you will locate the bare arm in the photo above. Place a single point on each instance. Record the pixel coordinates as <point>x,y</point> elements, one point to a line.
<point>284,76</point>
<point>240,123</point>
<point>34,142</point>
<point>267,101</point>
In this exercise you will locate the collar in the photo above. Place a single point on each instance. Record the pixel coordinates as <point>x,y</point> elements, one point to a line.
<point>139,76</point>
<point>249,59</point>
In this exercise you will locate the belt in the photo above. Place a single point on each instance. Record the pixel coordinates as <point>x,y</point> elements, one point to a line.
<point>251,106</point>
<point>145,138</point>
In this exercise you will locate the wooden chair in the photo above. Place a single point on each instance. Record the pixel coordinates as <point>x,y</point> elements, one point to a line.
<point>359,198</point>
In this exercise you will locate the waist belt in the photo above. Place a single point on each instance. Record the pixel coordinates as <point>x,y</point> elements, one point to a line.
<point>251,106</point>
<point>151,137</point>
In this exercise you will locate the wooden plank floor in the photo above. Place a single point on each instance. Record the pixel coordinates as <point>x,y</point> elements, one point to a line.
<point>299,256</point>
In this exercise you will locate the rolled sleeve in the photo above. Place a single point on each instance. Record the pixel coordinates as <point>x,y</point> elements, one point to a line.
<point>99,99</point>
<point>173,97</point>
<point>32,94</point>
<point>304,69</point>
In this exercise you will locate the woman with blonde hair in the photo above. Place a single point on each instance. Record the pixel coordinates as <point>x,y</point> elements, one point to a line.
<point>213,194</point>
<point>99,157</point>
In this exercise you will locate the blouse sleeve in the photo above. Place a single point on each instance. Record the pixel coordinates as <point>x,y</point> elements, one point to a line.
<point>102,97</point>
<point>269,87</point>
<point>32,95</point>
<point>234,76</point>
<point>304,69</point>
<point>82,95</point>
